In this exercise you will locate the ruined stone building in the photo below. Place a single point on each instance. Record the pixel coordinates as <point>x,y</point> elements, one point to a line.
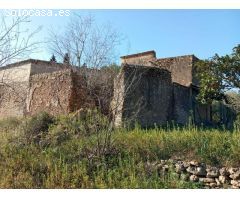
<point>154,91</point>
<point>31,86</point>
<point>147,90</point>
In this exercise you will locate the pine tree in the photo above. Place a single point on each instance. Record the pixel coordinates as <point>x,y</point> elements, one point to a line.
<point>53,59</point>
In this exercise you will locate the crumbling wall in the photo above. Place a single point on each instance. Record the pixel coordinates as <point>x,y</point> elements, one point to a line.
<point>39,67</point>
<point>13,90</point>
<point>144,58</point>
<point>145,96</point>
<point>181,68</point>
<point>12,99</point>
<point>50,92</point>
<point>58,92</point>
<point>79,97</point>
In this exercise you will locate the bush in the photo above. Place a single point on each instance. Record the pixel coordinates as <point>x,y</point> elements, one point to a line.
<point>36,127</point>
<point>76,125</point>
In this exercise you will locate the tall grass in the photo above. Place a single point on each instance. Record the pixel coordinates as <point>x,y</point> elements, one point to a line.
<point>66,154</point>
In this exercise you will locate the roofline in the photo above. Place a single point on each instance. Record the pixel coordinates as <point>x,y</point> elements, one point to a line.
<point>29,61</point>
<point>139,54</point>
<point>172,57</point>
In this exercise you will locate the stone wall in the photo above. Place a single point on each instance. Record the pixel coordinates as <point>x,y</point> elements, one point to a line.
<point>144,58</point>
<point>145,96</point>
<point>193,171</point>
<point>50,92</point>
<point>157,93</point>
<point>181,68</point>
<point>79,97</point>
<point>39,67</point>
<point>59,92</point>
<point>12,99</point>
<point>13,90</point>
<point>181,104</point>
<point>148,95</point>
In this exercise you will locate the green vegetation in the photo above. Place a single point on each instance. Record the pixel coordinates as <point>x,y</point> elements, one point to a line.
<point>218,75</point>
<point>71,152</point>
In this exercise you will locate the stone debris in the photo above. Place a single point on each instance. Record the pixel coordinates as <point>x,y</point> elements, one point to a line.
<point>193,178</point>
<point>235,183</point>
<point>235,176</point>
<point>223,179</point>
<point>194,163</point>
<point>199,171</point>
<point>232,170</point>
<point>224,171</point>
<point>213,185</point>
<point>180,168</point>
<point>212,172</point>
<point>218,182</point>
<point>210,177</point>
<point>207,180</point>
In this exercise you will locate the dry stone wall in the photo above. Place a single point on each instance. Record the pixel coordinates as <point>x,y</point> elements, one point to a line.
<point>193,171</point>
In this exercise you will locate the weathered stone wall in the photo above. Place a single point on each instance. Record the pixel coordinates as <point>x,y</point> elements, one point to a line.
<point>181,104</point>
<point>181,68</point>
<point>193,171</point>
<point>79,94</point>
<point>59,92</point>
<point>148,95</point>
<point>144,58</point>
<point>15,74</point>
<point>12,99</point>
<point>50,92</point>
<point>145,96</point>
<point>13,90</point>
<point>156,93</point>
<point>39,67</point>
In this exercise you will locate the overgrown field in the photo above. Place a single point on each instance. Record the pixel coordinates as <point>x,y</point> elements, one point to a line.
<point>83,152</point>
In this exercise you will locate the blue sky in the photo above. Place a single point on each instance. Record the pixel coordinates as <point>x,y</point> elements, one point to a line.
<point>168,32</point>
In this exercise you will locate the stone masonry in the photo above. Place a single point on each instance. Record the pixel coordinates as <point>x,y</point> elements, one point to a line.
<point>162,90</point>
<point>31,86</point>
<point>148,90</point>
<point>209,177</point>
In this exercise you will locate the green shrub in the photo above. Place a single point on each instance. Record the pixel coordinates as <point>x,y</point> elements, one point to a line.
<point>36,127</point>
<point>74,126</point>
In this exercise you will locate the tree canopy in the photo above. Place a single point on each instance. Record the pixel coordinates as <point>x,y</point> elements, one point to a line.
<point>218,75</point>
